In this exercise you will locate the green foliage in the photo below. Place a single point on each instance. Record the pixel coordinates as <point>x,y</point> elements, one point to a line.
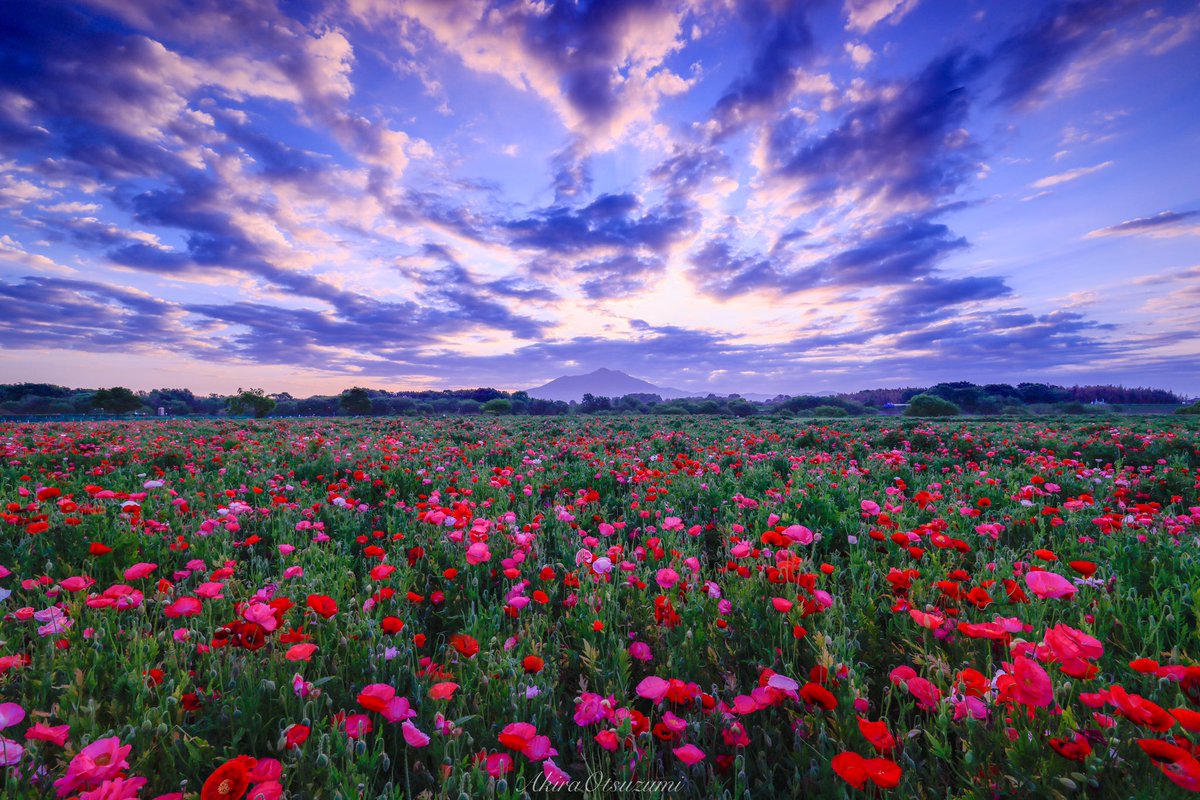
<point>829,411</point>
<point>927,405</point>
<point>117,400</point>
<point>356,401</point>
<point>498,405</point>
<point>1192,410</point>
<point>251,401</point>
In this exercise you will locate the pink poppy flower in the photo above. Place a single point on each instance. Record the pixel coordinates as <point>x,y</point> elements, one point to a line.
<point>357,726</point>
<point>589,709</point>
<point>554,775</point>
<point>10,714</point>
<point>261,614</point>
<point>265,769</point>
<point>267,790</point>
<point>799,534</point>
<point>1068,643</point>
<point>139,571</point>
<point>118,789</point>
<point>413,736</point>
<point>653,688</point>
<point>689,754</point>
<point>100,761</point>
<point>183,607</point>
<point>11,752</point>
<point>477,553</point>
<point>926,694</point>
<point>56,734</point>
<point>76,583</point>
<point>210,590</point>
<point>1049,584</point>
<point>640,651</point>
<point>398,709</point>
<point>1033,686</point>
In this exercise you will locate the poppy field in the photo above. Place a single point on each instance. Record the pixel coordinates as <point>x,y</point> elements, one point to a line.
<point>601,606</point>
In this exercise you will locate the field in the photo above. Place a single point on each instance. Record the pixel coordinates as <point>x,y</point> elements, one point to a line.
<point>656,607</point>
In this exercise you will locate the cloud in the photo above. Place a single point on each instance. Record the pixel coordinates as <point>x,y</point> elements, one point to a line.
<point>1190,274</point>
<point>783,41</point>
<point>689,172</point>
<point>572,172</point>
<point>17,191</point>
<point>119,103</point>
<point>863,15</point>
<point>859,53</point>
<point>1069,175</point>
<point>1163,225</point>
<point>621,276</point>
<point>609,221</point>
<point>898,150</point>
<point>897,253</point>
<point>59,313</point>
<point>12,253</point>
<point>72,208</point>
<point>600,66</point>
<point>1046,46</point>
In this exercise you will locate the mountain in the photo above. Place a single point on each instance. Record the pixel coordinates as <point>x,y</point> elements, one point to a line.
<point>601,383</point>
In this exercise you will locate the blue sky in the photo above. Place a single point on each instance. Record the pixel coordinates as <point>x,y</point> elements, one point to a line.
<point>716,195</point>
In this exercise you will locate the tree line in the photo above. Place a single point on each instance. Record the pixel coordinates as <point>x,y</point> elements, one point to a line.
<point>942,399</point>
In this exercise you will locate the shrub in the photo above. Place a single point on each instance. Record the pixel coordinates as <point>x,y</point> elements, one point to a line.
<point>926,405</point>
<point>829,411</point>
<point>498,405</point>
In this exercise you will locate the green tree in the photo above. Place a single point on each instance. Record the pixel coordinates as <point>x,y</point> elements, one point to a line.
<point>251,401</point>
<point>742,408</point>
<point>927,405</point>
<point>355,401</point>
<point>498,405</point>
<point>829,411</point>
<point>117,400</point>
<point>1192,410</point>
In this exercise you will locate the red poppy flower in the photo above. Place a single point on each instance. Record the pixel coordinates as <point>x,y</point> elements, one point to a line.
<point>877,734</point>
<point>296,735</point>
<point>1076,749</point>
<point>1138,709</point>
<point>1180,766</point>
<point>1189,719</point>
<point>464,644</point>
<point>322,604</point>
<point>228,781</point>
<point>856,770</point>
<point>817,695</point>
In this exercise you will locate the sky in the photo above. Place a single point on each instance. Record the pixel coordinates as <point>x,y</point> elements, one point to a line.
<point>715,195</point>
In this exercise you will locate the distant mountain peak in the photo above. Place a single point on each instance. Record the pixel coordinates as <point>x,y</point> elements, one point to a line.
<point>602,382</point>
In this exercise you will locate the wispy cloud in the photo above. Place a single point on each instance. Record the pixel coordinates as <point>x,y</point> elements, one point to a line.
<point>1163,225</point>
<point>1069,175</point>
